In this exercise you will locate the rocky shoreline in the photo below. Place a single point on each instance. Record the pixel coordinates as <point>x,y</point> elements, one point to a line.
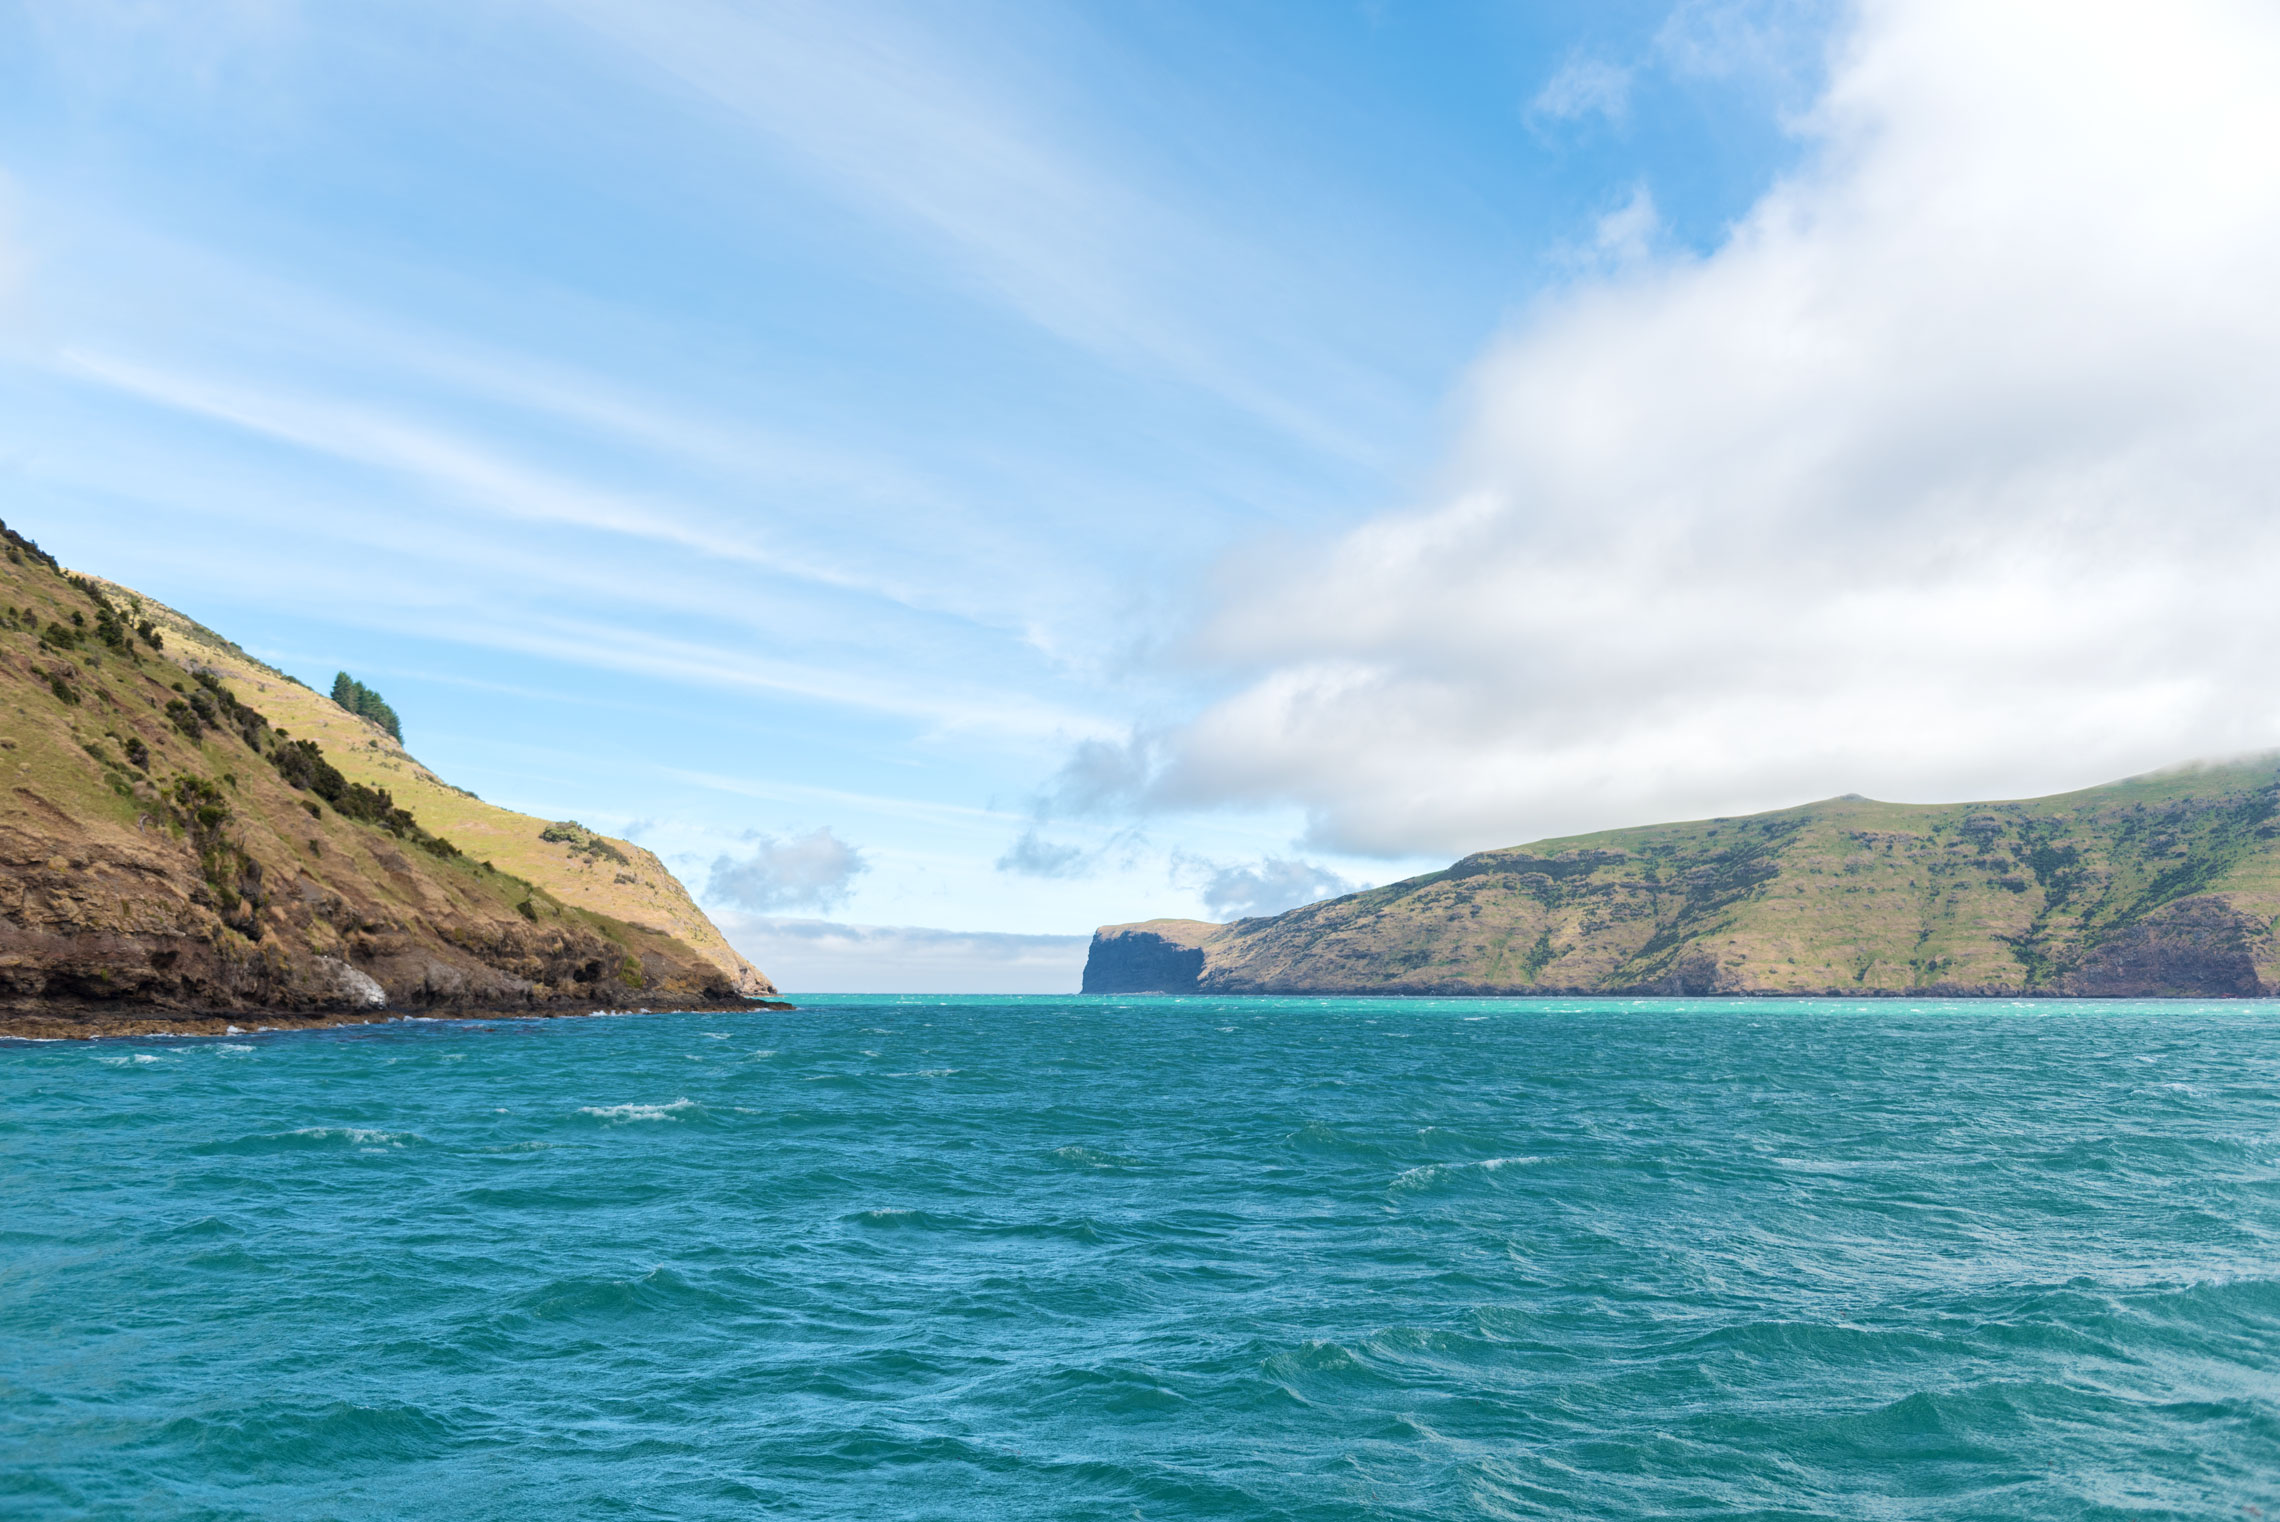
<point>76,1021</point>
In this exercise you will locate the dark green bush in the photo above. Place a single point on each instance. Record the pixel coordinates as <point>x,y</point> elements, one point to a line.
<point>220,707</point>
<point>583,842</point>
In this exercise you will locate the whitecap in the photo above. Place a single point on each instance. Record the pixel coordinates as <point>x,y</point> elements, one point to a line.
<point>231,1046</point>
<point>620,1114</point>
<point>1417,1178</point>
<point>357,1136</point>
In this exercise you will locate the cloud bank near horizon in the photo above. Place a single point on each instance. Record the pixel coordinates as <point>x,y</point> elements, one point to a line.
<point>827,956</point>
<point>1950,473</point>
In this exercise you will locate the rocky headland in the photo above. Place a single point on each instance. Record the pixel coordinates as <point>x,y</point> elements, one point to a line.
<point>191,840</point>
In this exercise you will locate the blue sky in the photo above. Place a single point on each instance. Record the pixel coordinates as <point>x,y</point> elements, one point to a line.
<point>715,419</point>
<point>938,473</point>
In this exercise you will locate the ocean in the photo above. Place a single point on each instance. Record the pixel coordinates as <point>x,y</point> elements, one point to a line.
<point>1111,1258</point>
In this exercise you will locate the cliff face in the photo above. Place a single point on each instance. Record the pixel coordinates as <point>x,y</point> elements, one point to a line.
<point>2161,885</point>
<point>174,853</point>
<point>1157,956</point>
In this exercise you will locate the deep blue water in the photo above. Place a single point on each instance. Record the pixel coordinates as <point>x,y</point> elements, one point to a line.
<point>1115,1258</point>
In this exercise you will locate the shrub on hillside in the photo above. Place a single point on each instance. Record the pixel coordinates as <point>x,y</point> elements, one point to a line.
<point>303,765</point>
<point>583,842</point>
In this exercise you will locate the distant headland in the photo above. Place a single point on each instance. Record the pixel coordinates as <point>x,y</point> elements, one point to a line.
<point>2165,885</point>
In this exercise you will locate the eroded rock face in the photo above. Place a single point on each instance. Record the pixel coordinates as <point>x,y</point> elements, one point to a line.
<point>2195,947</point>
<point>1160,957</point>
<point>100,925</point>
<point>110,909</point>
<point>359,990</point>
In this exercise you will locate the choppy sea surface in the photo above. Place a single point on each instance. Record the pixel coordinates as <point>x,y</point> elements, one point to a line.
<point>1160,1258</point>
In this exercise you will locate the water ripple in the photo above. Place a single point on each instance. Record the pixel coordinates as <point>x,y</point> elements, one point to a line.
<point>1291,1259</point>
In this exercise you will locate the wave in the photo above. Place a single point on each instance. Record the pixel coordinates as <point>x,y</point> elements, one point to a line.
<point>618,1115</point>
<point>1430,1173</point>
<point>315,1138</point>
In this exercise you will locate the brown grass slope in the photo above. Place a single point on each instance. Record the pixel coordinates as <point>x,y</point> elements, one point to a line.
<point>2166,884</point>
<point>579,866</point>
<point>170,857</point>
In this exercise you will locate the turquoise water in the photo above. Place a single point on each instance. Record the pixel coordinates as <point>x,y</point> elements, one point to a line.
<point>1108,1258</point>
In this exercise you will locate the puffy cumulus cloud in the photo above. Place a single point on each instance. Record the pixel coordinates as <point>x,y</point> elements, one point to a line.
<point>1951,473</point>
<point>811,871</point>
<point>1267,886</point>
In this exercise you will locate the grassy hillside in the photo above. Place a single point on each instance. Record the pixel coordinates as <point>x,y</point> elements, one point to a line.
<point>2162,884</point>
<point>173,847</point>
<point>576,865</point>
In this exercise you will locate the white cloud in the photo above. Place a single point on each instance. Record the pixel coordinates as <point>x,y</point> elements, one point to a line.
<point>903,118</point>
<point>812,956</point>
<point>1951,473</point>
<point>1268,886</point>
<point>813,871</point>
<point>1627,235</point>
<point>1775,43</point>
<point>1584,87</point>
<point>1032,855</point>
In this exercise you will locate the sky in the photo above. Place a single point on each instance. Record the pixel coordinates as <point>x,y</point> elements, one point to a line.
<point>949,476</point>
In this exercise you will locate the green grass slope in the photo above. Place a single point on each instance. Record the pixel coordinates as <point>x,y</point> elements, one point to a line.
<point>2158,885</point>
